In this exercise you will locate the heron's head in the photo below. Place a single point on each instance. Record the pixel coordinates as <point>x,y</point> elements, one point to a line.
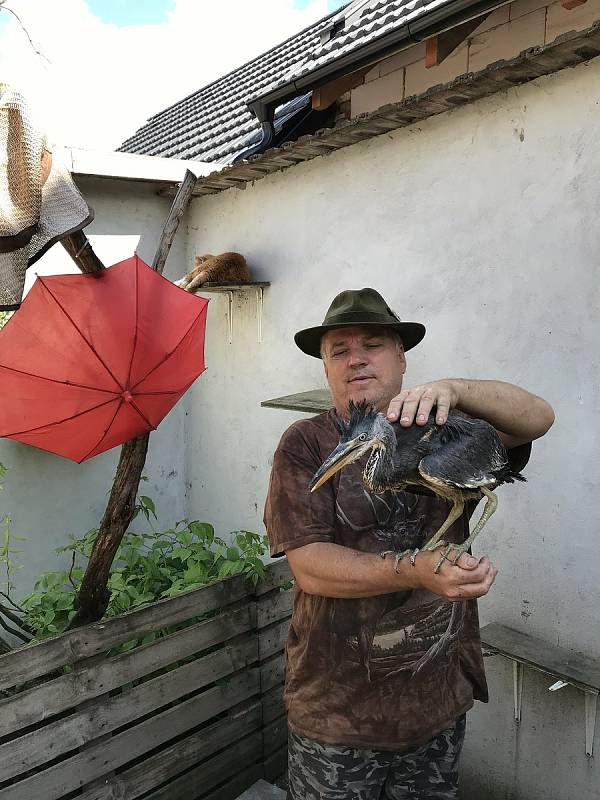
<point>367,430</point>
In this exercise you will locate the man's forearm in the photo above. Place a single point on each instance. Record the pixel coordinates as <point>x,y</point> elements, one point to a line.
<point>331,570</point>
<point>521,415</point>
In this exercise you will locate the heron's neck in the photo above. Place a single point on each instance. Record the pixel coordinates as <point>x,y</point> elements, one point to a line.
<point>380,465</point>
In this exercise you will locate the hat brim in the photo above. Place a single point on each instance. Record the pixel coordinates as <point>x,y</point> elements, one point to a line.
<point>309,340</point>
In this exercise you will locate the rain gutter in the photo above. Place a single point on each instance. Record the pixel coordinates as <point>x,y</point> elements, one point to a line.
<point>436,21</point>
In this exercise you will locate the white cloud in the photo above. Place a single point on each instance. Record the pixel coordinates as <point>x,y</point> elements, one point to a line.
<point>104,81</point>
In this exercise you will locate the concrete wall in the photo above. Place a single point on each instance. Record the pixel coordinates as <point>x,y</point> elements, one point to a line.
<point>482,223</point>
<point>50,497</point>
<point>503,34</point>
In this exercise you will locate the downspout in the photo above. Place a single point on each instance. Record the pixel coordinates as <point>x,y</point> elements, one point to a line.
<point>268,134</point>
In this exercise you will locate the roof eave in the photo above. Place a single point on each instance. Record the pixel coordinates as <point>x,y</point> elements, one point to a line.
<point>430,24</point>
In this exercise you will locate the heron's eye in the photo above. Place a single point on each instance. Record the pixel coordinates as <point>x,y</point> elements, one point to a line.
<point>363,437</point>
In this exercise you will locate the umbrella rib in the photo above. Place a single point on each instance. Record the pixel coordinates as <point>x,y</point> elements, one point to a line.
<point>147,421</point>
<point>56,380</point>
<point>105,434</point>
<point>168,355</point>
<point>59,421</point>
<point>72,321</point>
<point>135,329</point>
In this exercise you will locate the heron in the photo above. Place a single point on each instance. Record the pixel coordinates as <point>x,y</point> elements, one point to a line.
<point>460,460</point>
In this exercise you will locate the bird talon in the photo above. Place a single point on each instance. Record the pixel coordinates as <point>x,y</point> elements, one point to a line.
<point>413,557</point>
<point>397,557</point>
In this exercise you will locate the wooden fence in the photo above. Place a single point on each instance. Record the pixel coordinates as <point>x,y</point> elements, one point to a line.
<point>196,714</point>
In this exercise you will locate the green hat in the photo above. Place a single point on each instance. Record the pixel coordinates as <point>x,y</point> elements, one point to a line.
<point>358,307</point>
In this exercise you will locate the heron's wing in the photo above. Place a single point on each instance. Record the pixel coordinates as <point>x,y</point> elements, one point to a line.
<point>468,453</point>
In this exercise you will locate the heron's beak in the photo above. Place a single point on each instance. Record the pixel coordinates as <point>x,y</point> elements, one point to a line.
<point>344,453</point>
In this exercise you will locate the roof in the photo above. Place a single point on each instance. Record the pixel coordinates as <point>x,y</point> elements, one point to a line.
<point>357,25</point>
<point>214,123</point>
<point>567,50</point>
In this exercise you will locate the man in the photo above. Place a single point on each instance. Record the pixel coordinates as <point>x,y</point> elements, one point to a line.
<point>382,661</point>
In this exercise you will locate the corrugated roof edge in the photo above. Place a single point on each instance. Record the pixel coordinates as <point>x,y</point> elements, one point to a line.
<point>230,73</point>
<point>568,50</point>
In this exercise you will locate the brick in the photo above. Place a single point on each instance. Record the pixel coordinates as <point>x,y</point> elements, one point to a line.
<point>419,78</point>
<point>522,7</point>
<point>375,94</point>
<point>507,41</point>
<point>402,59</point>
<point>560,21</point>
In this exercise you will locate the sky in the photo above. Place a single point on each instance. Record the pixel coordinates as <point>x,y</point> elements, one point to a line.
<point>105,66</point>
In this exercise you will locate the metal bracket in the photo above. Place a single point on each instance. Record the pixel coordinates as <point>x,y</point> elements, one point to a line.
<point>591,703</point>
<point>259,310</point>
<point>518,671</point>
<point>230,289</point>
<point>230,316</point>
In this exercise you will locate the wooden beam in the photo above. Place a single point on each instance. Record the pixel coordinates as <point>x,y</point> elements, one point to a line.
<point>79,248</point>
<point>324,96</point>
<point>438,48</point>
<point>569,4</point>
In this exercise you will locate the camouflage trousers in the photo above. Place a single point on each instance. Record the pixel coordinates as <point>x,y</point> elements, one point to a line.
<point>326,772</point>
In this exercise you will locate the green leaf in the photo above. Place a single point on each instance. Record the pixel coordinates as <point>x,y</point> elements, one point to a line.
<point>148,503</point>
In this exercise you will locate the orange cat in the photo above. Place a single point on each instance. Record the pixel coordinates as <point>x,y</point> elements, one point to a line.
<point>224,268</point>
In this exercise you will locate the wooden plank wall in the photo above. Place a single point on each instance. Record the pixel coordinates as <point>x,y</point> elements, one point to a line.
<point>197,714</point>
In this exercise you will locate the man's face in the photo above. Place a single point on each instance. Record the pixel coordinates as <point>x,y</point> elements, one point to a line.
<point>363,363</point>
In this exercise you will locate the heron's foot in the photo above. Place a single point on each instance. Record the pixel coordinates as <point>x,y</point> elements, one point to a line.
<point>397,556</point>
<point>429,547</point>
<point>456,550</point>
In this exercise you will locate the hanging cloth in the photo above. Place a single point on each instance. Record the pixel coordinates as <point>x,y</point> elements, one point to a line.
<point>39,203</point>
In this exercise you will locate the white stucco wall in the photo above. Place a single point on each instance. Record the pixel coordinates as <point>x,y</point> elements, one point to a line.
<point>50,497</point>
<point>482,223</point>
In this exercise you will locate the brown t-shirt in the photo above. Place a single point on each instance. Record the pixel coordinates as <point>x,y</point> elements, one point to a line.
<point>386,672</point>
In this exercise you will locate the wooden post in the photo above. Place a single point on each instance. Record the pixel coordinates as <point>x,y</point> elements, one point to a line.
<point>79,248</point>
<point>93,596</point>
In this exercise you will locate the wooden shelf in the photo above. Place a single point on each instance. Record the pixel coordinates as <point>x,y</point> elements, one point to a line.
<point>229,288</point>
<point>312,402</point>
<point>569,668</point>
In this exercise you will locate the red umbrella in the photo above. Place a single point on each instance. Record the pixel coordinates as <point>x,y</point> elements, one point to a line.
<point>90,361</point>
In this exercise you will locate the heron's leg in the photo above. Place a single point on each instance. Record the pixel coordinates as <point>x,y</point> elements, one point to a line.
<point>490,506</point>
<point>458,505</point>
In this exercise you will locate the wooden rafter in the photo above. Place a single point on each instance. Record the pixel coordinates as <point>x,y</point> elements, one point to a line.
<point>324,96</point>
<point>438,48</point>
<point>569,4</point>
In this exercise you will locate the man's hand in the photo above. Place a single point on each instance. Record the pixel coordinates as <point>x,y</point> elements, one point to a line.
<point>416,403</point>
<point>468,579</point>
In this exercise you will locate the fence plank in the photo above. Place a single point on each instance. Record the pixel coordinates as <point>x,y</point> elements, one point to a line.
<point>277,573</point>
<point>241,782</point>
<point>272,672</point>
<point>275,736</point>
<point>273,705</point>
<point>273,607</point>
<point>107,714</point>
<point>175,759</point>
<point>272,640</point>
<point>92,763</point>
<point>35,660</point>
<point>48,699</point>
<point>210,773</point>
<point>276,764</point>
